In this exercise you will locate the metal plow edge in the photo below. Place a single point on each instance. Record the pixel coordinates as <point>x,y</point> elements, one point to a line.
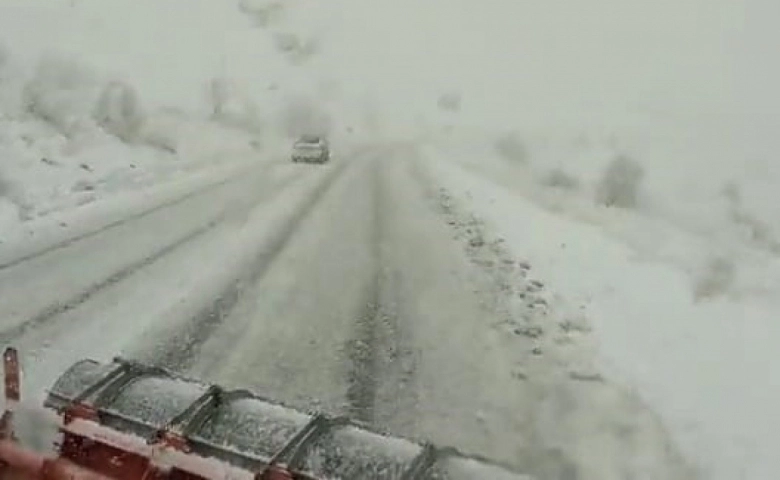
<point>129,421</point>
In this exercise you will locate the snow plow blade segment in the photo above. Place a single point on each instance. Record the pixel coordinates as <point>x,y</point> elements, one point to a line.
<point>128,421</point>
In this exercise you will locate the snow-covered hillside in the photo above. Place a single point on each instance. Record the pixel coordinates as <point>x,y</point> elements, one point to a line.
<point>98,98</point>
<point>627,149</point>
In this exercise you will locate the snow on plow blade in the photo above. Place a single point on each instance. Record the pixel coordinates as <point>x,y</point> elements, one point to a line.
<point>126,420</point>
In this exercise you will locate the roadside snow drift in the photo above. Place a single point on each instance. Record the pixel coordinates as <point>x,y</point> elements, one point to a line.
<point>692,341</point>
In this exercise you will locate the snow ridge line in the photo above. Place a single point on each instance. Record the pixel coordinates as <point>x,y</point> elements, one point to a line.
<point>51,312</point>
<point>522,300</point>
<point>522,307</point>
<point>144,213</point>
<point>203,324</point>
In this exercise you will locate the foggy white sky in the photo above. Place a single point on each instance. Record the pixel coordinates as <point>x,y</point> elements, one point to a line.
<point>535,59</point>
<point>550,54</point>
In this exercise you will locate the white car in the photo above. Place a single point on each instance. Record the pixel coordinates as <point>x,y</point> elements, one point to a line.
<point>311,149</point>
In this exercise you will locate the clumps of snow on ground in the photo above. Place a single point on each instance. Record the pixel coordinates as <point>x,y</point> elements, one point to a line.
<point>602,429</point>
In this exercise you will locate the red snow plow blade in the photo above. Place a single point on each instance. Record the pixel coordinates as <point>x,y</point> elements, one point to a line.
<point>127,421</point>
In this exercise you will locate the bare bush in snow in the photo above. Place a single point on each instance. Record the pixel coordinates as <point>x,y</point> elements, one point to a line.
<point>287,42</point>
<point>233,107</point>
<point>557,178</point>
<point>510,147</point>
<point>303,116</point>
<point>714,279</point>
<point>60,93</point>
<point>296,49</point>
<point>118,111</point>
<point>620,182</point>
<point>449,102</point>
<point>759,231</point>
<point>82,185</point>
<point>218,95</point>
<point>262,12</point>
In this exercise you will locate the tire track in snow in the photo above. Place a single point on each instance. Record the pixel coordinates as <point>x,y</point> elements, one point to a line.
<point>388,373</point>
<point>53,311</point>
<point>183,353</point>
<point>136,216</point>
<point>450,378</point>
<point>361,350</point>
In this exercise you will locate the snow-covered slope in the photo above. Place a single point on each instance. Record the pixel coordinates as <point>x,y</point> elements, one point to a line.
<point>91,105</point>
<point>532,98</point>
<point>693,333</point>
<point>69,136</point>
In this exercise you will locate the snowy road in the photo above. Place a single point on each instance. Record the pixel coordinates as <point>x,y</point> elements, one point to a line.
<point>347,287</point>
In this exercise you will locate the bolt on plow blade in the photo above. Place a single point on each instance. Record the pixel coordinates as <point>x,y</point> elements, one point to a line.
<point>130,421</point>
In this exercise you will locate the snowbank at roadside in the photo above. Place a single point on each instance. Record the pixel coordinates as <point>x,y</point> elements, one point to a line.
<point>706,209</point>
<point>705,364</point>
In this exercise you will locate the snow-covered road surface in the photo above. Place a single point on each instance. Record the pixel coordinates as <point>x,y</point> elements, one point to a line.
<point>352,287</point>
